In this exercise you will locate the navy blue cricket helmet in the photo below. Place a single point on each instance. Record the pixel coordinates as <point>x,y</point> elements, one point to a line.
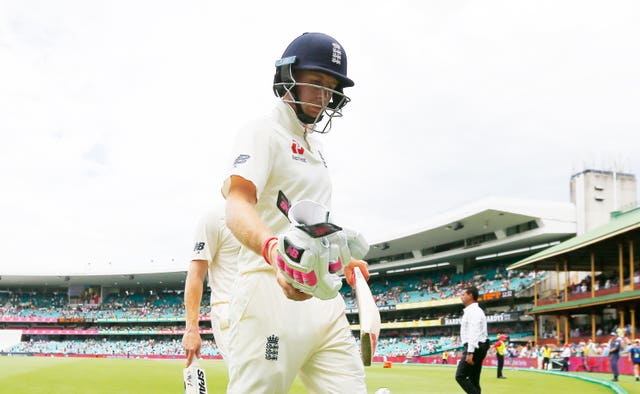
<point>317,52</point>
<point>313,52</point>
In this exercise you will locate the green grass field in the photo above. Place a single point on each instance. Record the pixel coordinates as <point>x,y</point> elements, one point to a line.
<point>74,375</point>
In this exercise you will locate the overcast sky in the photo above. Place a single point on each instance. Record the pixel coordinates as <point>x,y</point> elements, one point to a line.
<point>116,116</point>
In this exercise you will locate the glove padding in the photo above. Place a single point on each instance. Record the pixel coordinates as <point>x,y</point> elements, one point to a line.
<point>357,243</point>
<point>304,263</point>
<point>314,252</point>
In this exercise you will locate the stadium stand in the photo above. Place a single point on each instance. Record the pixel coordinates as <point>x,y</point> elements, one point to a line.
<point>416,280</point>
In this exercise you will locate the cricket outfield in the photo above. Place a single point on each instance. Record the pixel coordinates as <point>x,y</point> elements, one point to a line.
<point>28,375</point>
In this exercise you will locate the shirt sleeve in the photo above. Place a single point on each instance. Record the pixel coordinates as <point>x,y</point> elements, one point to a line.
<point>206,237</point>
<point>250,157</point>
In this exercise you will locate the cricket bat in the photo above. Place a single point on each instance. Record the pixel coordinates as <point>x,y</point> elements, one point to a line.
<point>195,381</point>
<point>369,318</point>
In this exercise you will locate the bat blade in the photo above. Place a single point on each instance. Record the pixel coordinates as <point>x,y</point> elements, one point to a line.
<point>369,318</point>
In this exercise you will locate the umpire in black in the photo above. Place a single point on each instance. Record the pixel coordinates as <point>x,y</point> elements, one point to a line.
<point>474,336</point>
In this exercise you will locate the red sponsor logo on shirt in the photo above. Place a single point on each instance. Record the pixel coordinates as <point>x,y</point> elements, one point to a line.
<point>296,148</point>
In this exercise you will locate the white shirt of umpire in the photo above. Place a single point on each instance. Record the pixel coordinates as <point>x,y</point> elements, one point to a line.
<point>473,327</point>
<point>215,244</point>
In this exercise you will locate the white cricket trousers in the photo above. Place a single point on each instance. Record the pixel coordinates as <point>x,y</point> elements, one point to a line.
<point>220,327</point>
<point>272,339</point>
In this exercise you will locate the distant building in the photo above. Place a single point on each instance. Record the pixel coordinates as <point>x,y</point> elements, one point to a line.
<point>597,193</point>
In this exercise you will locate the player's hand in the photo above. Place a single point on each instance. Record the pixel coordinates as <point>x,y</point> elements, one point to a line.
<point>469,359</point>
<point>289,291</point>
<point>351,276</point>
<point>191,342</point>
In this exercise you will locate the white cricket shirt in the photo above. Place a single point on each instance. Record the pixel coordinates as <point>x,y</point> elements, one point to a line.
<point>473,327</point>
<point>277,155</point>
<point>215,243</point>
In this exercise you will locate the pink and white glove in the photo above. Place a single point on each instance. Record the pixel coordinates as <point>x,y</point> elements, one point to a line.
<point>309,260</point>
<point>313,253</point>
<point>304,263</point>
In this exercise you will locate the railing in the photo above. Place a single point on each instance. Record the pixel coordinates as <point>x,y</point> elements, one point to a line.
<point>580,296</point>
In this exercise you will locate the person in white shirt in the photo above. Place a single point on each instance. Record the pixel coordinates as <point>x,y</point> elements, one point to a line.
<point>474,336</point>
<point>215,252</point>
<point>277,331</point>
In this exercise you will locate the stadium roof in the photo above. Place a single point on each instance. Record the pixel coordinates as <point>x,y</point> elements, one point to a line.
<point>601,241</point>
<point>555,221</point>
<point>156,279</point>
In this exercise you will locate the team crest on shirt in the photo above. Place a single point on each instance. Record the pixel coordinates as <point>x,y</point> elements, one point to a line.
<point>297,151</point>
<point>271,350</point>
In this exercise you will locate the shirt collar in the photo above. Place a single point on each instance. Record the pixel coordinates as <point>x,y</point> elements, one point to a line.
<point>288,118</point>
<point>471,306</point>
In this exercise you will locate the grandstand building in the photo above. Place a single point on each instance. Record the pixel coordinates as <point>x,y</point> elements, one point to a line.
<point>417,277</point>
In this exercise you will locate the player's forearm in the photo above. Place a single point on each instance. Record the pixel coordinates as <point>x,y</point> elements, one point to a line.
<point>245,224</point>
<point>193,293</point>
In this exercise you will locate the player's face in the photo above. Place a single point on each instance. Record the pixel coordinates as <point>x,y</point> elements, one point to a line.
<point>318,95</point>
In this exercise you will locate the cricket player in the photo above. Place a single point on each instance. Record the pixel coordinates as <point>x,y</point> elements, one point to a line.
<point>276,330</point>
<point>215,252</point>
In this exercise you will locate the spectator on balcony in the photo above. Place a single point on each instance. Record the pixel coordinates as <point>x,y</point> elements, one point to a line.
<point>583,287</point>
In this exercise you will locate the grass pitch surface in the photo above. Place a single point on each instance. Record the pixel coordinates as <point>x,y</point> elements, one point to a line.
<point>75,375</point>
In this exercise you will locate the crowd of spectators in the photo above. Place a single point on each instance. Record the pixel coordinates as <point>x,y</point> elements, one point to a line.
<point>121,348</point>
<point>151,304</point>
<point>442,285</point>
<point>144,305</point>
<point>414,345</point>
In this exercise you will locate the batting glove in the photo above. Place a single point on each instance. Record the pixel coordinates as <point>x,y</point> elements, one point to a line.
<point>357,243</point>
<point>312,254</point>
<point>304,263</point>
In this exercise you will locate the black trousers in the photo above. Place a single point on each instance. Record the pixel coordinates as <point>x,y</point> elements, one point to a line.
<point>468,376</point>
<point>500,364</point>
